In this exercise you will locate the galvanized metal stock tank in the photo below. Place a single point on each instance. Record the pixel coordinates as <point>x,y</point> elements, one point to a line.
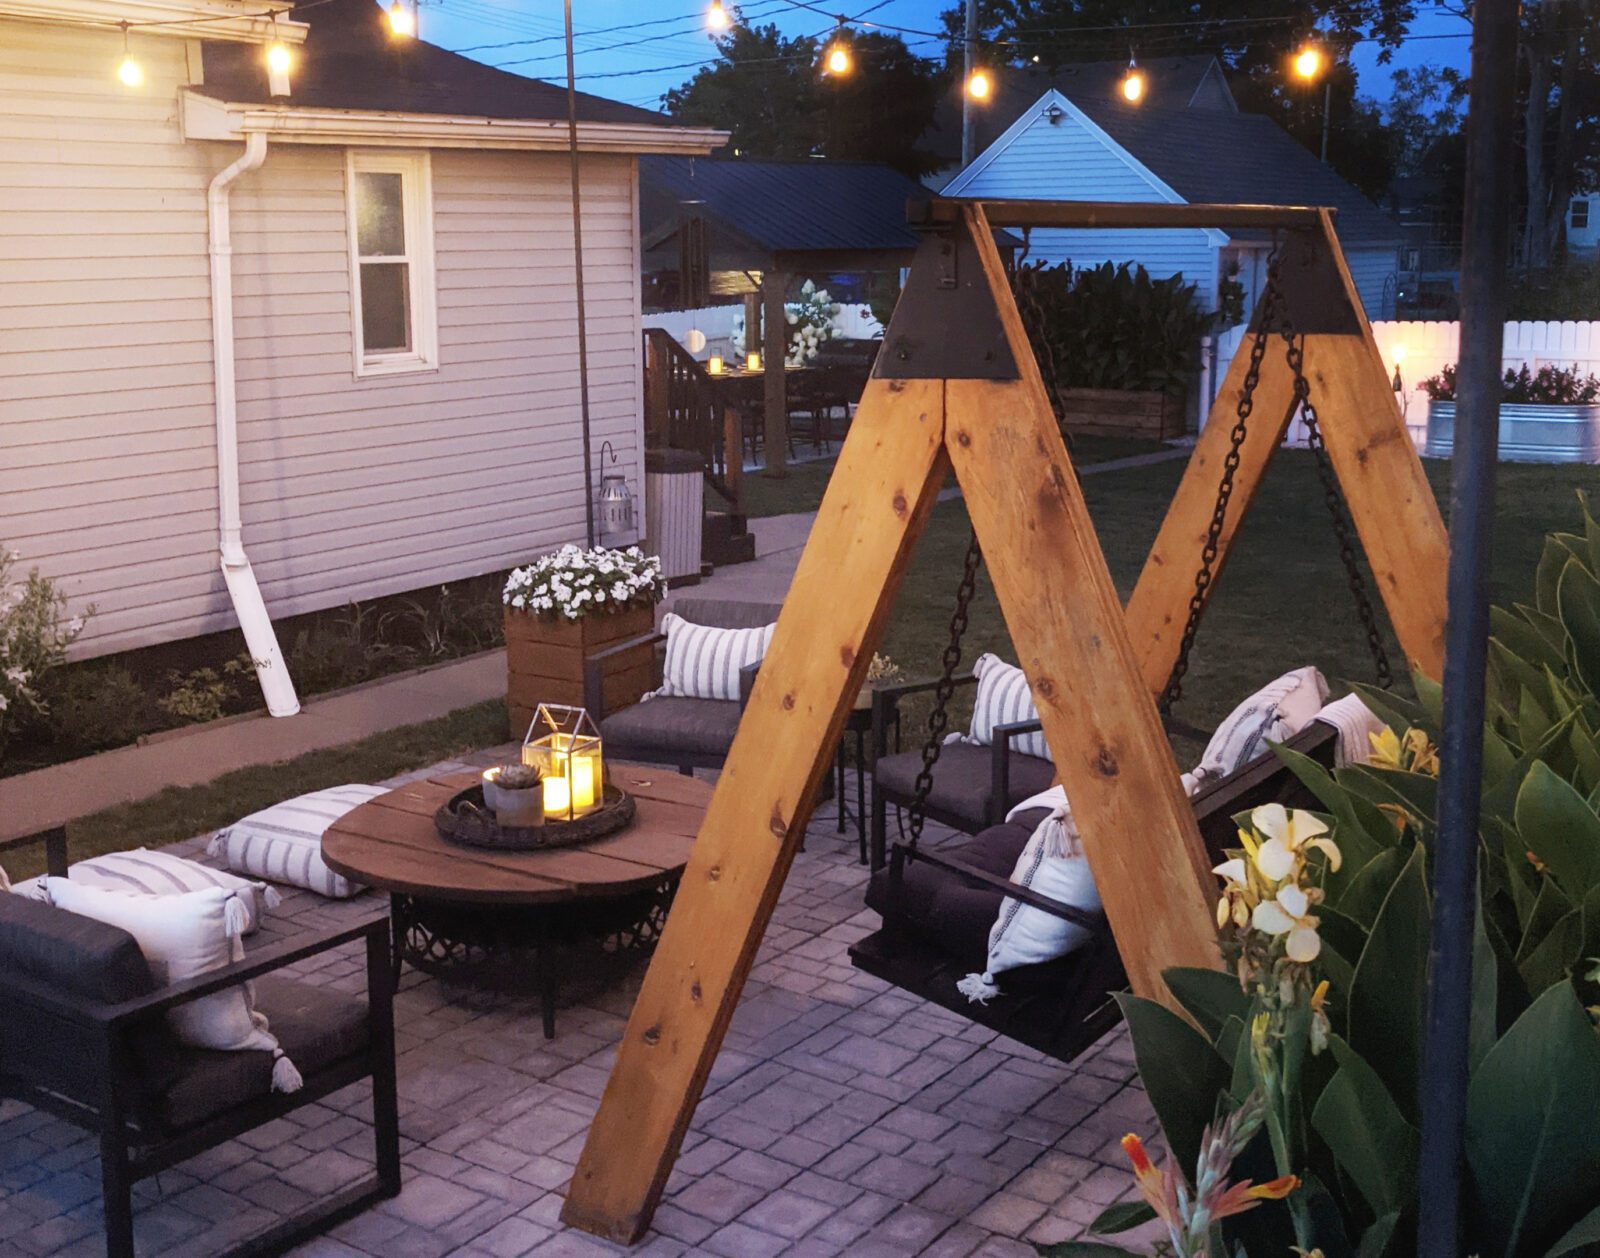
<point>1529,432</point>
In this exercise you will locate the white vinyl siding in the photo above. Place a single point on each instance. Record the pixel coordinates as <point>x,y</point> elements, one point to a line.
<point>1373,268</point>
<point>351,487</point>
<point>1067,160</point>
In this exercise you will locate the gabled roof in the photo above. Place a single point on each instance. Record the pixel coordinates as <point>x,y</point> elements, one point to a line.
<point>350,62</point>
<point>804,206</point>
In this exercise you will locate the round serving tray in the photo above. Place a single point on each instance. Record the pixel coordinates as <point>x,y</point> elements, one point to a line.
<point>467,821</point>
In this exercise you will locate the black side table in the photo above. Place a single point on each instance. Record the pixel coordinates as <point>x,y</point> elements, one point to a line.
<point>858,724</point>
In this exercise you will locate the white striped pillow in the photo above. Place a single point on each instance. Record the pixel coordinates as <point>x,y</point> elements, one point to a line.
<point>703,661</point>
<point>147,873</point>
<point>1003,699</point>
<point>1278,711</point>
<point>284,843</point>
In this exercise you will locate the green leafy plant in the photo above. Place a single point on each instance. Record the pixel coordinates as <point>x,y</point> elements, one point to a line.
<point>205,694</point>
<point>94,707</point>
<point>35,632</point>
<point>1549,386</point>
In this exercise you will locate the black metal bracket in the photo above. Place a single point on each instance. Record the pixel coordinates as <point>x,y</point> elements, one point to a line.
<point>946,324</point>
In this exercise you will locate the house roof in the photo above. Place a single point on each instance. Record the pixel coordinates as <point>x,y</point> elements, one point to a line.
<point>1208,156</point>
<point>349,61</point>
<point>804,206</point>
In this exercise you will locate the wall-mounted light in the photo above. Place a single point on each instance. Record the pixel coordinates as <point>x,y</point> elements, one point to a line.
<point>1053,113</point>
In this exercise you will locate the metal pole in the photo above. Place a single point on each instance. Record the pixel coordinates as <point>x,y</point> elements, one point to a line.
<point>1327,110</point>
<point>577,254</point>
<point>969,63</point>
<point>1485,244</point>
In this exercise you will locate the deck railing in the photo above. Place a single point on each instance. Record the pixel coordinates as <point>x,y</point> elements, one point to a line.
<point>683,410</point>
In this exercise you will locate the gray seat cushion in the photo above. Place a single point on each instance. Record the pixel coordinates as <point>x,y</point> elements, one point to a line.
<point>316,1028</point>
<point>660,729</point>
<point>726,613</point>
<point>962,780</point>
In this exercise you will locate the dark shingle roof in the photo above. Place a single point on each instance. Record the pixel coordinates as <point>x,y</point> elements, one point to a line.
<point>349,61</point>
<point>786,207</point>
<point>1210,156</point>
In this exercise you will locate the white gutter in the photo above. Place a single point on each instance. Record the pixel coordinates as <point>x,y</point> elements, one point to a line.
<point>262,641</point>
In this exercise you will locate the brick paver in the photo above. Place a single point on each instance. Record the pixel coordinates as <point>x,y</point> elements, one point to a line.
<point>843,1116</point>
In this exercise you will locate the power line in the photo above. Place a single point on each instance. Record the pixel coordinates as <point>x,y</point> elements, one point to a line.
<point>630,43</point>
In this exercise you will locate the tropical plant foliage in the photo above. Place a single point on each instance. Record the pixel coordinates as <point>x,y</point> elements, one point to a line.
<point>1331,953</point>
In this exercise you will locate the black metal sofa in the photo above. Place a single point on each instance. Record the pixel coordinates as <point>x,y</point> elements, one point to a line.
<point>83,1035</point>
<point>936,918</point>
<point>687,733</point>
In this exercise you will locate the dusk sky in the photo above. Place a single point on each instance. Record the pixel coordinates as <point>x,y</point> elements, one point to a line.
<point>634,50</point>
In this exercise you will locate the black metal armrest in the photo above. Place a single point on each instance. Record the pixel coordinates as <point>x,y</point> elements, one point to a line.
<point>1000,761</point>
<point>886,698</point>
<point>1089,919</point>
<point>594,669</point>
<point>747,683</point>
<point>55,848</point>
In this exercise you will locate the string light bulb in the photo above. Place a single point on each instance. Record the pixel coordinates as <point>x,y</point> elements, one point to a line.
<point>1308,62</point>
<point>838,57</point>
<point>717,18</point>
<point>278,59</point>
<point>979,85</point>
<point>401,21</point>
<point>1133,83</point>
<point>129,72</point>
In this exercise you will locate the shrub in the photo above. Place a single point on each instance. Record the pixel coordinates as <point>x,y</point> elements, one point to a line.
<point>93,708</point>
<point>34,636</point>
<point>205,694</point>
<point>1550,386</point>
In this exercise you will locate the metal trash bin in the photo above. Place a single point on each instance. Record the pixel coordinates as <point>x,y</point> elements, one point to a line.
<point>674,511</point>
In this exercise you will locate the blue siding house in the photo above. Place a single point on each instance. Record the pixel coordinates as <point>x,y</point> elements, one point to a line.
<point>1093,146</point>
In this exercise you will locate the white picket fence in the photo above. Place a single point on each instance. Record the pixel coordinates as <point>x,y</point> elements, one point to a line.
<point>854,321</point>
<point>1420,350</point>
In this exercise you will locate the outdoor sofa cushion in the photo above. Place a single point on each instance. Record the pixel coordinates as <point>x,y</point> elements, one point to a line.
<point>283,843</point>
<point>962,780</point>
<point>156,873</point>
<point>705,661</point>
<point>1003,698</point>
<point>665,727</point>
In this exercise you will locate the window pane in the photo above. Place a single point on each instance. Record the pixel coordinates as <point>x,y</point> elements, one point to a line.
<point>385,307</point>
<point>380,217</point>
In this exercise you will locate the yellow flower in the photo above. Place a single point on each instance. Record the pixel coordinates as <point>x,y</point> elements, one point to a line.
<point>1290,915</point>
<point>1385,749</point>
<point>1424,756</point>
<point>1289,834</point>
<point>1237,897</point>
<point>1321,1028</point>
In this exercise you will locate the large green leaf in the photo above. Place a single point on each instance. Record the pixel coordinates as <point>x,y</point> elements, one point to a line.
<point>1582,1239</point>
<point>1181,1071</point>
<point>1578,596</point>
<point>1558,826</point>
<point>1394,710</point>
<point>1549,627</point>
<point>1084,1249</point>
<point>1483,1028</point>
<point>1363,895</point>
<point>1377,1239</point>
<point>1417,793</point>
<point>1211,997</point>
<point>1559,550</point>
<point>1390,991</point>
<point>1549,907</point>
<point>1363,1128</point>
<point>1551,960</point>
<point>1522,641</point>
<point>1360,828</point>
<point>1532,1139</point>
<point>1122,1217</point>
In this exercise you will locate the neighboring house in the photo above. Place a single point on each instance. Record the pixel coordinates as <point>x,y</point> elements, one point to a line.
<point>1583,224</point>
<point>1094,146</point>
<point>353,359</point>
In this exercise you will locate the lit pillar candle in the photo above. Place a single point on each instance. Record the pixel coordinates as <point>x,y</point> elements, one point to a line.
<point>583,784</point>
<point>557,797</point>
<point>714,365</point>
<point>753,362</point>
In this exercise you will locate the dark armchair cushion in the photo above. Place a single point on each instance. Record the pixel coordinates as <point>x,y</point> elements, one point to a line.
<point>962,780</point>
<point>316,1028</point>
<point>662,728</point>
<point>727,613</point>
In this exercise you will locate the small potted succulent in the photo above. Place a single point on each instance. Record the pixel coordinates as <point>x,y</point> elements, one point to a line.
<point>515,794</point>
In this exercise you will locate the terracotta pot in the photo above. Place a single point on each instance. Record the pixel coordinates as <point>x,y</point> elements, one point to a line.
<point>545,657</point>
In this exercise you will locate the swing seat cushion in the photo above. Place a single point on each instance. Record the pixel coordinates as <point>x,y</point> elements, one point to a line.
<point>963,783</point>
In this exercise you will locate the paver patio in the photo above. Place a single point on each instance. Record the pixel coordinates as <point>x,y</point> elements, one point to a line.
<point>842,1116</point>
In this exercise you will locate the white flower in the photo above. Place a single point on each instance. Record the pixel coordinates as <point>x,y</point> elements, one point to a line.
<point>1288,835</point>
<point>1290,914</point>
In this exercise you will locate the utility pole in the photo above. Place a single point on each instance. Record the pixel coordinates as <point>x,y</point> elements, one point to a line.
<point>969,63</point>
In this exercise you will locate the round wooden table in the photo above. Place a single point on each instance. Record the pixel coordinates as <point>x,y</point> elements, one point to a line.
<point>460,908</point>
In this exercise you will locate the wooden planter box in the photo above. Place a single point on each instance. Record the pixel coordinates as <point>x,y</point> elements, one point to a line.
<point>1115,413</point>
<point>545,656</point>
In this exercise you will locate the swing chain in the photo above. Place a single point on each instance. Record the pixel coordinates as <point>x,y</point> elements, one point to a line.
<point>1336,507</point>
<point>1203,577</point>
<point>939,718</point>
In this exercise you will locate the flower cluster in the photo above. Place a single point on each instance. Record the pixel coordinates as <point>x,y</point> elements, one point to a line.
<point>1550,385</point>
<point>812,320</point>
<point>34,636</point>
<point>1410,753</point>
<point>574,582</point>
<point>1269,893</point>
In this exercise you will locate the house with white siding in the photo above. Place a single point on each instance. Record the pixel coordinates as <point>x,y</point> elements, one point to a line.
<point>272,339</point>
<point>1184,141</point>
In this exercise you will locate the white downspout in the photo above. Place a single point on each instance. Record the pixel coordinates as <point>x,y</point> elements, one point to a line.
<point>261,640</point>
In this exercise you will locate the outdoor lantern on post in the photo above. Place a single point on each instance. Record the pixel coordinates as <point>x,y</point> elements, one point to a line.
<point>564,745</point>
<point>614,504</point>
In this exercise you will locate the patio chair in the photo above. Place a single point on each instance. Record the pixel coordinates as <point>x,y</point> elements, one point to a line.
<point>686,733</point>
<point>973,786</point>
<point>84,1036</point>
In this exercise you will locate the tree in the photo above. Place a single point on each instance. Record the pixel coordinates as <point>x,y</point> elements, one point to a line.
<point>1561,129</point>
<point>769,91</point>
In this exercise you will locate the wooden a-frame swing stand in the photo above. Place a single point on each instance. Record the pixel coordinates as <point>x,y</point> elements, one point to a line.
<point>957,389</point>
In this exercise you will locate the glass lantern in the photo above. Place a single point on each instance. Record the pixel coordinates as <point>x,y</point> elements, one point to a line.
<point>565,746</point>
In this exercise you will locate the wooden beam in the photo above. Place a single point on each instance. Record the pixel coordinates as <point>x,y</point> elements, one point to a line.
<point>1026,213</point>
<point>774,391</point>
<point>733,456</point>
<point>1066,622</point>
<point>1159,606</point>
<point>1390,500</point>
<point>888,477</point>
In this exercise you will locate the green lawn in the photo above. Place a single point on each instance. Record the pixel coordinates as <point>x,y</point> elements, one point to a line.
<point>182,812</point>
<point>1281,603</point>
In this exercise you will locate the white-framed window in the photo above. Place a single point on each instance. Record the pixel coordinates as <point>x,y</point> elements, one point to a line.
<point>389,199</point>
<point>1580,216</point>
